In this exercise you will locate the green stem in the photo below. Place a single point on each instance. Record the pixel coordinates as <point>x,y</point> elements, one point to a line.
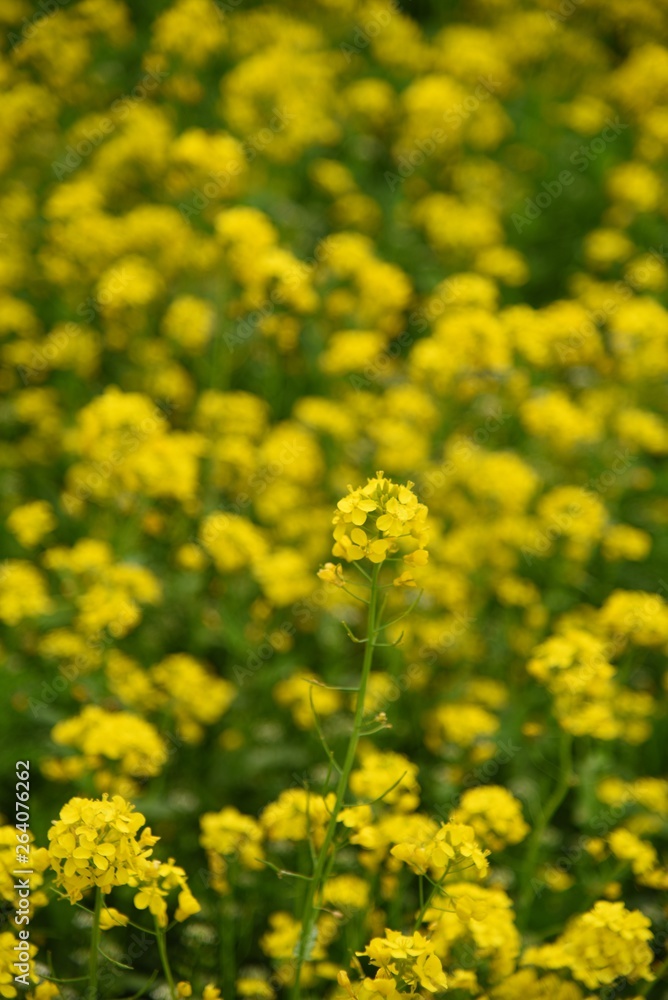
<point>227,948</point>
<point>425,904</point>
<point>94,946</point>
<point>533,847</point>
<point>162,950</point>
<point>321,865</point>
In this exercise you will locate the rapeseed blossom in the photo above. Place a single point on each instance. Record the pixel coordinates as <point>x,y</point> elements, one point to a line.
<point>370,521</point>
<point>95,843</point>
<point>599,946</point>
<point>249,255</point>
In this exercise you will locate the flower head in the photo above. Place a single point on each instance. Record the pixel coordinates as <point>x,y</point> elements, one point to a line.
<point>376,521</point>
<point>95,842</point>
<point>452,848</point>
<point>600,946</point>
<point>406,959</point>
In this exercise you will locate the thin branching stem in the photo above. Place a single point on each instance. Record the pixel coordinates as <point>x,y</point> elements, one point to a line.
<point>324,859</point>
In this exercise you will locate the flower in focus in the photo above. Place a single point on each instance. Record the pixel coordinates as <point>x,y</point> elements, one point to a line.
<point>377,520</point>
<point>95,843</point>
<point>408,960</point>
<point>453,848</point>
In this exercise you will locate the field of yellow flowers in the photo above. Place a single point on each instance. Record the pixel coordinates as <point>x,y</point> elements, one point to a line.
<point>333,619</point>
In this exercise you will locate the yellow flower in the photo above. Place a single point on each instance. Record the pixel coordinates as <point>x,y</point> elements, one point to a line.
<point>494,814</point>
<point>111,917</point>
<point>453,848</point>
<point>256,989</point>
<point>600,946</point>
<point>31,522</point>
<point>95,843</point>
<point>297,815</point>
<point>151,897</point>
<point>229,834</point>
<point>188,905</point>
<point>370,522</point>
<point>23,592</point>
<point>410,959</point>
<point>159,879</point>
<point>211,992</point>
<point>332,573</point>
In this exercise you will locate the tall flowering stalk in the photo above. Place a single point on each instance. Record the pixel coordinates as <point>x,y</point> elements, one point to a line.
<point>380,523</point>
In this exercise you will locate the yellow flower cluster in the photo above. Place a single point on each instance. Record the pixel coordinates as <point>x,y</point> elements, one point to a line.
<point>180,684</point>
<point>102,737</point>
<point>649,793</point>
<point>39,861</point>
<point>249,254</point>
<point>23,592</point>
<point>528,983</point>
<point>297,693</point>
<point>280,941</point>
<point>229,836</point>
<point>402,961</point>
<point>159,878</point>
<point>297,815</point>
<point>387,772</point>
<point>377,520</point>
<point>97,843</point>
<point>124,446</point>
<point>107,595</point>
<point>346,892</point>
<point>482,919</point>
<point>494,814</point>
<point>599,946</point>
<point>10,947</point>
<point>194,694</point>
<point>31,522</point>
<point>453,848</point>
<point>587,697</point>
